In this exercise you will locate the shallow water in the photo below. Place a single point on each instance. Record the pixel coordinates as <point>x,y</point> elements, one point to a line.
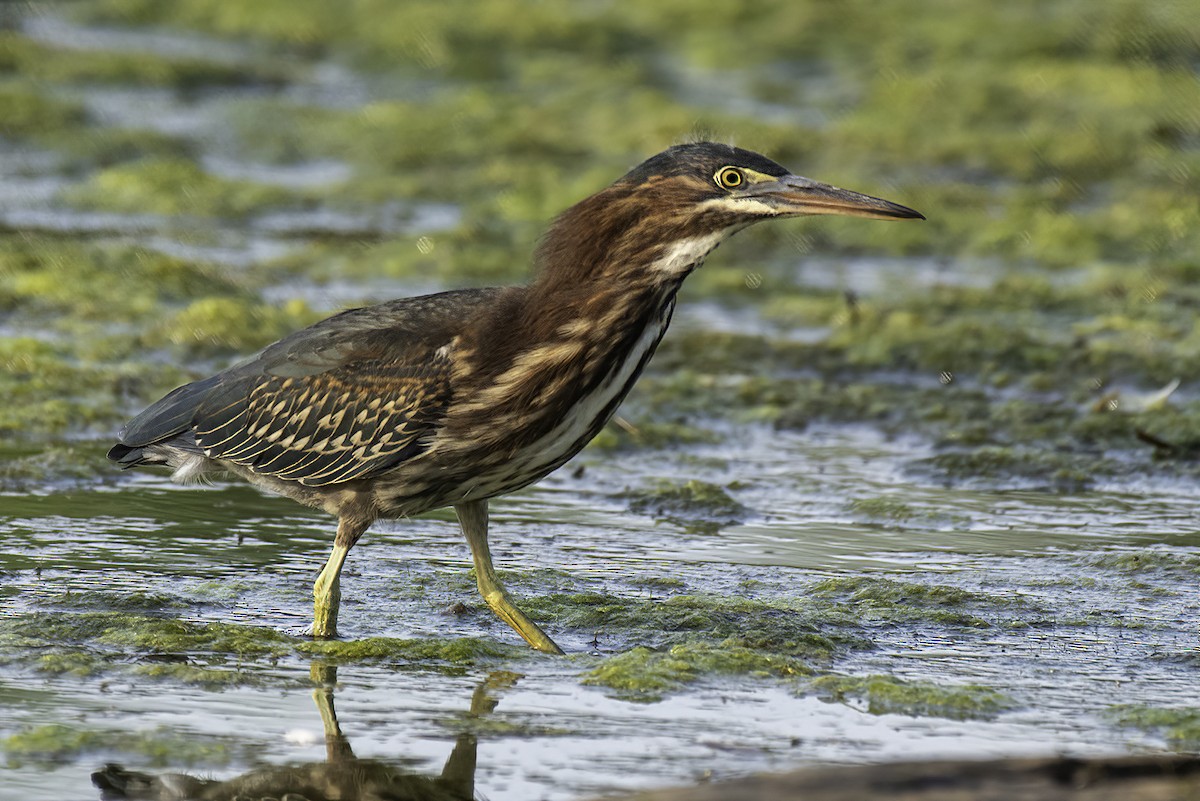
<point>1083,635</point>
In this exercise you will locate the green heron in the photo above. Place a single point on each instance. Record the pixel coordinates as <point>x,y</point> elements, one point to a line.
<point>454,398</point>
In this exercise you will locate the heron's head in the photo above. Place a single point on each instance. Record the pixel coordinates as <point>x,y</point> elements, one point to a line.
<point>664,216</point>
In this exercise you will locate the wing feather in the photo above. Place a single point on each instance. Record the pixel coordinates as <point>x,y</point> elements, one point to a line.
<point>343,424</point>
<point>344,399</point>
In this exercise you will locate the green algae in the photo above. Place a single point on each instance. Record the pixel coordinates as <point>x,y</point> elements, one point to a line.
<point>645,674</point>
<point>223,590</point>
<point>699,637</point>
<point>658,582</point>
<point>209,655</point>
<point>974,332</point>
<point>43,63</point>
<point>462,651</point>
<point>34,115</point>
<point>1051,439</point>
<point>82,369</point>
<point>91,146</point>
<point>138,601</point>
<point>74,663</point>
<point>887,601</point>
<point>28,111</point>
<point>50,392</point>
<point>789,627</point>
<point>101,282</point>
<point>1179,725</point>
<point>57,743</point>
<point>426,35</point>
<point>624,435</point>
<point>54,465</point>
<point>883,695</point>
<point>206,677</point>
<point>474,253</point>
<point>883,507</point>
<point>84,365</point>
<point>51,743</point>
<point>1059,472</point>
<point>691,502</point>
<point>215,325</point>
<point>172,186</point>
<point>703,353</point>
<point>987,122</point>
<point>495,726</point>
<point>144,633</point>
<point>956,343</point>
<point>177,637</point>
<point>1147,561</point>
<point>871,589</point>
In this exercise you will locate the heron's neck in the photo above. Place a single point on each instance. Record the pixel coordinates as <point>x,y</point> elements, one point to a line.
<point>618,237</point>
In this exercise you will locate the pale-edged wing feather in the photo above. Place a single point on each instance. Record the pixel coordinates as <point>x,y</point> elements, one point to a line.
<point>345,423</point>
<point>344,399</point>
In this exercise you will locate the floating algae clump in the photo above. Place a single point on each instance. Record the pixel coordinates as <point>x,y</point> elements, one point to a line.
<point>218,325</point>
<point>142,632</point>
<point>889,695</point>
<point>28,111</point>
<point>174,186</point>
<point>690,502</point>
<point>645,674</point>
<point>881,601</point>
<point>1180,725</point>
<point>56,743</point>
<point>884,507</point>
<point>45,63</point>
<point>795,628</point>
<point>459,651</point>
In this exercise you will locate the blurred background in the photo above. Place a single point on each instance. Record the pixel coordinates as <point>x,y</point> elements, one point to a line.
<point>996,404</point>
<point>189,180</point>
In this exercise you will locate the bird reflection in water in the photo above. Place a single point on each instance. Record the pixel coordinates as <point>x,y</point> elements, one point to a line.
<point>341,777</point>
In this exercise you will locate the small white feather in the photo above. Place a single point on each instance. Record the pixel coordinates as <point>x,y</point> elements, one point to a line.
<point>191,469</point>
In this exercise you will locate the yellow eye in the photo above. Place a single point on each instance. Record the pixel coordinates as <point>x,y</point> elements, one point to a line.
<point>730,178</point>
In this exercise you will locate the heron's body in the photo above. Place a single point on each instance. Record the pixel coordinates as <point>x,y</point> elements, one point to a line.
<point>492,427</point>
<point>455,398</point>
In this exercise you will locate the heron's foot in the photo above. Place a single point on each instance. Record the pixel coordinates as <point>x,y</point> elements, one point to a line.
<point>327,597</point>
<point>324,625</point>
<point>310,632</point>
<point>507,611</point>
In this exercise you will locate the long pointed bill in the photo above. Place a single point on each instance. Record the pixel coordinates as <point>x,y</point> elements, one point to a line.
<point>794,195</point>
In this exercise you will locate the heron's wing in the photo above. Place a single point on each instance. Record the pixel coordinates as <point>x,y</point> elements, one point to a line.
<point>338,425</point>
<point>344,399</point>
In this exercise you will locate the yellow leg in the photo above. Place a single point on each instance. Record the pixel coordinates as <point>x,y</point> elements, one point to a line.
<point>327,595</point>
<point>327,591</point>
<point>473,517</point>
